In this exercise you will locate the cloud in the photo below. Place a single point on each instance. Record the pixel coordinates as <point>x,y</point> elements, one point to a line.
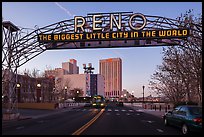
<point>64,9</point>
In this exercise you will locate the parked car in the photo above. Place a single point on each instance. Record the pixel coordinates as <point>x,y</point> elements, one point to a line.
<point>119,103</point>
<point>186,117</point>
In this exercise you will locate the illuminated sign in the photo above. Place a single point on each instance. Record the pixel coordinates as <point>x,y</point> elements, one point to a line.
<point>79,22</point>
<point>120,35</point>
<point>95,28</point>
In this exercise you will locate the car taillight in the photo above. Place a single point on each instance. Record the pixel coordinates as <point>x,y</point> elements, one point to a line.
<point>197,120</point>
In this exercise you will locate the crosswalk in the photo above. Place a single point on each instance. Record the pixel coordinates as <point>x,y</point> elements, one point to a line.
<point>111,111</point>
<point>117,111</point>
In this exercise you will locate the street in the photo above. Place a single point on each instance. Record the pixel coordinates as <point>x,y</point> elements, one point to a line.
<point>114,120</point>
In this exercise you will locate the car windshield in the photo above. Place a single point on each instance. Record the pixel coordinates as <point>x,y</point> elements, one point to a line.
<point>195,110</point>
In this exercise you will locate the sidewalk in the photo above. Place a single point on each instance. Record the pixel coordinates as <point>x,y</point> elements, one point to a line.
<point>154,112</point>
<point>38,113</point>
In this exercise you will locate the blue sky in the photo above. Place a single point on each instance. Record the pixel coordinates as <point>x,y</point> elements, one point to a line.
<point>139,63</point>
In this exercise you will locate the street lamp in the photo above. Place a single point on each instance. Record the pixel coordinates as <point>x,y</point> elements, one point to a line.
<point>38,85</point>
<point>132,93</point>
<point>77,93</point>
<point>143,92</point>
<point>18,85</point>
<point>125,97</point>
<point>65,88</point>
<point>132,100</point>
<point>18,92</point>
<point>53,94</point>
<point>38,92</point>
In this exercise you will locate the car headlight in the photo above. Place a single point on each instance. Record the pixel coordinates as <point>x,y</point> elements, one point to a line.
<point>94,104</point>
<point>102,104</point>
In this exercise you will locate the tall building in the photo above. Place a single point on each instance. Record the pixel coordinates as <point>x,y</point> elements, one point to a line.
<point>70,67</point>
<point>67,68</point>
<point>111,69</point>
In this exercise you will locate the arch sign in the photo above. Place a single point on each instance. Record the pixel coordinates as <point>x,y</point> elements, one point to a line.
<point>122,29</point>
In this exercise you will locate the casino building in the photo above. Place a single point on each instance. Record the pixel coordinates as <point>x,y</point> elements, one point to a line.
<point>111,69</point>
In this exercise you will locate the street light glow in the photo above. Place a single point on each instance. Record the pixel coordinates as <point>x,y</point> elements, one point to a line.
<point>39,85</point>
<point>18,85</point>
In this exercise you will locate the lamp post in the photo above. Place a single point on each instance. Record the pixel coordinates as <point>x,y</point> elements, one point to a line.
<point>38,92</point>
<point>125,97</point>
<point>132,100</point>
<point>53,94</point>
<point>133,93</point>
<point>143,92</point>
<point>18,92</point>
<point>65,88</point>
<point>77,95</point>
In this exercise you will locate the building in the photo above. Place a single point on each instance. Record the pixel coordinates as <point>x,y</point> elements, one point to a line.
<point>68,79</point>
<point>67,68</point>
<point>30,89</point>
<point>70,67</point>
<point>90,84</point>
<point>111,69</point>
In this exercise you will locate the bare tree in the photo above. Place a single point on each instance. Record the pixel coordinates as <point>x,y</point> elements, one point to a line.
<point>62,86</point>
<point>67,86</point>
<point>179,78</point>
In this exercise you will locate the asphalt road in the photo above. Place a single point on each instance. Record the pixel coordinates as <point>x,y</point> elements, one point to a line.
<point>112,121</point>
<point>127,121</point>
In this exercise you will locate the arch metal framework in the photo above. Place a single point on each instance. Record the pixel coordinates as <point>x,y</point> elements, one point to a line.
<point>20,45</point>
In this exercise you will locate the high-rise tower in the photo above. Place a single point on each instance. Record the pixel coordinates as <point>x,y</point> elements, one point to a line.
<point>111,69</point>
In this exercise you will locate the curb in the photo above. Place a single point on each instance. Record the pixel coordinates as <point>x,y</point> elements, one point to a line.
<point>21,117</point>
<point>25,117</point>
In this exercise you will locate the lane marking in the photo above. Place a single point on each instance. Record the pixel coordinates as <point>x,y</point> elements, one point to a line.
<point>117,114</point>
<point>116,109</point>
<point>123,110</point>
<point>150,121</point>
<point>109,110</point>
<point>159,130</point>
<point>95,109</point>
<point>84,127</point>
<point>130,110</point>
<point>20,127</point>
<point>127,113</point>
